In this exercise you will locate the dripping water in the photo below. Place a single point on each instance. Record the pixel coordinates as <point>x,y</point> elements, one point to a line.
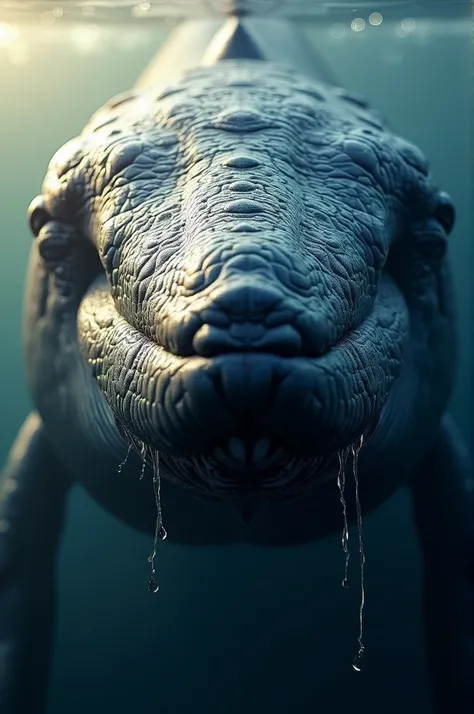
<point>146,453</point>
<point>160,531</point>
<point>121,465</point>
<point>341,484</point>
<point>143,455</point>
<point>358,659</point>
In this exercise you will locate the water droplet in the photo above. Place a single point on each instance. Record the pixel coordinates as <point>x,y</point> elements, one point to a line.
<point>153,586</point>
<point>160,530</point>
<point>345,583</point>
<point>356,448</point>
<point>341,484</point>
<point>358,661</point>
<point>122,464</point>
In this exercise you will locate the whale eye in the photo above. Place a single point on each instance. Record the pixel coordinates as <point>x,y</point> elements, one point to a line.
<point>445,212</point>
<point>38,216</point>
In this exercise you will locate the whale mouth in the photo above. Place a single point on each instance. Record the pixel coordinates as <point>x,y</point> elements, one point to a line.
<point>238,465</point>
<point>234,470</point>
<point>247,470</point>
<point>235,421</point>
<point>251,422</point>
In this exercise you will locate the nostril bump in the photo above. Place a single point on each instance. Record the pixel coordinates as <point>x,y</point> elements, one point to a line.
<point>247,300</point>
<point>210,341</point>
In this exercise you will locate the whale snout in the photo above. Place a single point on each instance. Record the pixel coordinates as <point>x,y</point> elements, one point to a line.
<point>252,298</point>
<point>284,340</point>
<point>251,314</point>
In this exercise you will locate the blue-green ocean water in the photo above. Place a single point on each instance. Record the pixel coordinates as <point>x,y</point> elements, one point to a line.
<point>232,629</point>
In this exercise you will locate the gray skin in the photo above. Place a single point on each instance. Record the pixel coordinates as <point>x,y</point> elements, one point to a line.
<point>243,271</point>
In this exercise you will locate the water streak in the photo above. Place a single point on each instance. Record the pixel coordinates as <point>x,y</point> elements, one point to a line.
<point>143,454</point>
<point>341,484</point>
<point>121,466</point>
<point>358,659</point>
<point>160,531</point>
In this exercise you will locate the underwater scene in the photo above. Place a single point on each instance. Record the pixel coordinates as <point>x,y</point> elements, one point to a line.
<point>320,606</point>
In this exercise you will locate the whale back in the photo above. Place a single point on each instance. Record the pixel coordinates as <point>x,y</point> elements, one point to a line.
<point>205,42</point>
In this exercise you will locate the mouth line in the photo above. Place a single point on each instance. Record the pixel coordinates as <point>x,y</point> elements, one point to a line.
<point>101,287</point>
<point>242,351</point>
<point>286,348</point>
<point>258,469</point>
<point>185,405</point>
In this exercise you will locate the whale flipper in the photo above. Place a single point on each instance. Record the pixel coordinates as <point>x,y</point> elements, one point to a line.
<point>443,511</point>
<point>32,500</point>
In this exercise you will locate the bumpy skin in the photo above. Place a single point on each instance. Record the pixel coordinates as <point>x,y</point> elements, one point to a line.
<point>246,273</point>
<point>271,267</point>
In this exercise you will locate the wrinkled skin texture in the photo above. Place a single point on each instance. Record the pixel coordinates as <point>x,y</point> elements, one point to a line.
<point>271,286</point>
<point>244,273</point>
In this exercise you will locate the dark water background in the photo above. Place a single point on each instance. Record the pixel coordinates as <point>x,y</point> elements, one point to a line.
<point>232,629</point>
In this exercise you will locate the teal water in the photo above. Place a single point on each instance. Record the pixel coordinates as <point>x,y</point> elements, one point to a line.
<point>233,629</point>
